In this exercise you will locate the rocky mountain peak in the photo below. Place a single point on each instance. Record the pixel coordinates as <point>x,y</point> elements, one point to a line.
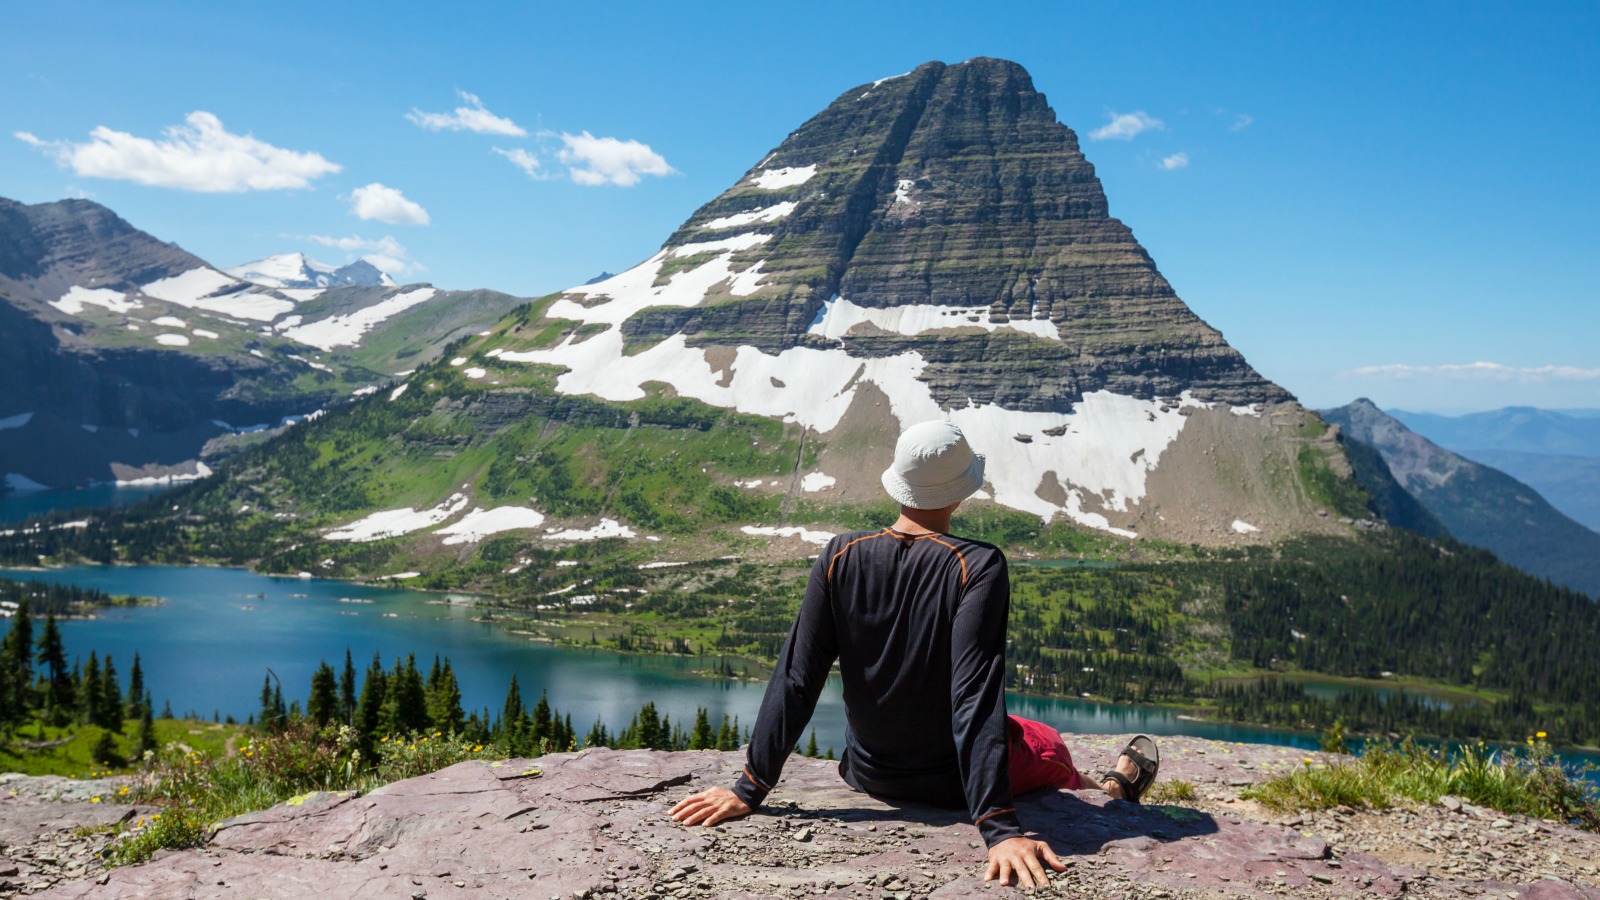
<point>933,244</point>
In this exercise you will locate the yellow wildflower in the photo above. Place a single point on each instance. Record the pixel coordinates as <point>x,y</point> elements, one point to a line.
<point>94,799</point>
<point>1540,735</point>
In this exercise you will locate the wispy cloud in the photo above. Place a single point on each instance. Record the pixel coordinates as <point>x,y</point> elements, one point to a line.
<point>199,155</point>
<point>471,117</point>
<point>379,202</point>
<point>1175,161</point>
<point>522,159</point>
<point>607,160</point>
<point>1241,122</point>
<point>1477,371</point>
<point>386,253</point>
<point>1126,126</point>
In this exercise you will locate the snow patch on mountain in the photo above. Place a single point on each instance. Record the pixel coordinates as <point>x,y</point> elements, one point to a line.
<point>346,330</point>
<point>635,289</point>
<point>296,271</point>
<point>816,481</point>
<point>805,534</point>
<point>839,315</point>
<point>75,299</point>
<point>481,523</point>
<point>608,528</point>
<point>198,289</point>
<point>765,214</point>
<point>774,179</point>
<point>395,522</point>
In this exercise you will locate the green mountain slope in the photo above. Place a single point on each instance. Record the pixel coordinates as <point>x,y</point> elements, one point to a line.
<point>1479,505</point>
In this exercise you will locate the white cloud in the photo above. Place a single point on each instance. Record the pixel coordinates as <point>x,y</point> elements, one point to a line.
<point>1241,122</point>
<point>594,161</point>
<point>1126,126</point>
<point>472,117</point>
<point>1175,161</point>
<point>199,155</point>
<point>1477,371</point>
<point>386,204</point>
<point>386,253</point>
<point>522,159</point>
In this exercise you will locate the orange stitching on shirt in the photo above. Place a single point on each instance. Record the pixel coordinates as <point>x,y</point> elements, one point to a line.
<point>748,774</point>
<point>935,539</point>
<point>848,546</point>
<point>997,812</point>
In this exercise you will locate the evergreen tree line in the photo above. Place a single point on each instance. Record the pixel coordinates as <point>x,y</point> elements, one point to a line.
<point>400,701</point>
<point>37,686</point>
<point>45,599</point>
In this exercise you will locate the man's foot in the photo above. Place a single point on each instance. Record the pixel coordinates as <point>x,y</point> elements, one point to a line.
<point>1127,769</point>
<point>1135,770</point>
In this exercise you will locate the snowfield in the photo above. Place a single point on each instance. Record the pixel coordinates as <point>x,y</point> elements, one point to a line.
<point>774,179</point>
<point>172,340</point>
<point>765,214</point>
<point>74,300</point>
<point>608,528</point>
<point>201,470</point>
<point>816,481</point>
<point>839,315</point>
<point>196,289</point>
<point>805,534</point>
<point>395,522</point>
<point>481,523</point>
<point>346,331</point>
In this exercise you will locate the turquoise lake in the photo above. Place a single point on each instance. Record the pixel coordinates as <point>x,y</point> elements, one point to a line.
<point>210,643</point>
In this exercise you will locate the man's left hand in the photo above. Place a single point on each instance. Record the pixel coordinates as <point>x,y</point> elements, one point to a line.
<point>709,807</point>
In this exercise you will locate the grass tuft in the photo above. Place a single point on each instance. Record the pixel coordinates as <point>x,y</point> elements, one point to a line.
<point>1530,782</point>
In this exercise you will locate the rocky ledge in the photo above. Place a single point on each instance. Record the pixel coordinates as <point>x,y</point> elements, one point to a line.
<point>593,825</point>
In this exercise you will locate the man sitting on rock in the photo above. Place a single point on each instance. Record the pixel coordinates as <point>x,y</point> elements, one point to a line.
<point>916,619</point>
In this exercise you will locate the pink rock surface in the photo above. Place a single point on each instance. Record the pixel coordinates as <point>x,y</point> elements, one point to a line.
<point>593,824</point>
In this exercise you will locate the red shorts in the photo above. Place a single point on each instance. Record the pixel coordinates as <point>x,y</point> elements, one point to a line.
<point>1039,759</point>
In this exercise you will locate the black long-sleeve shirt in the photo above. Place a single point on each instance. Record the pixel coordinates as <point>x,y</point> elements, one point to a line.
<point>918,625</point>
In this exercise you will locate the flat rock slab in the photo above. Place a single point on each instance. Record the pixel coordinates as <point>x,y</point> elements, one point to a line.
<point>593,824</point>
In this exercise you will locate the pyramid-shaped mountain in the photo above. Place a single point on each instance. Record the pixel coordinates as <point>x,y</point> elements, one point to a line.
<point>935,244</point>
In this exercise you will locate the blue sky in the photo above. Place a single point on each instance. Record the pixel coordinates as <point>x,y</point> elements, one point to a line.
<point>1374,199</point>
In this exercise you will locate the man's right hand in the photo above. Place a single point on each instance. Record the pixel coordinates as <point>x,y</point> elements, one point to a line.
<point>1019,858</point>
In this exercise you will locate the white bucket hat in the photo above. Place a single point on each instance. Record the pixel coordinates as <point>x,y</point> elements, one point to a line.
<point>933,466</point>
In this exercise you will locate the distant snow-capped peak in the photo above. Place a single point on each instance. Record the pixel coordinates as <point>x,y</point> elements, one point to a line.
<point>296,270</point>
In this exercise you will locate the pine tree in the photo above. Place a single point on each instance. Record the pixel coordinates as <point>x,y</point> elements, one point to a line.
<point>811,746</point>
<point>406,707</point>
<point>52,658</point>
<point>444,700</point>
<point>347,690</point>
<point>369,711</point>
<point>702,738</point>
<point>110,697</point>
<point>146,740</point>
<point>322,705</point>
<point>16,667</point>
<point>597,737</point>
<point>267,716</point>
<point>90,692</point>
<point>541,721</point>
<point>725,736</point>
<point>136,697</point>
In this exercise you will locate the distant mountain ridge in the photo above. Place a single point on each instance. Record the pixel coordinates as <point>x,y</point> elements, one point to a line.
<point>123,355</point>
<point>1479,505</point>
<point>1554,451</point>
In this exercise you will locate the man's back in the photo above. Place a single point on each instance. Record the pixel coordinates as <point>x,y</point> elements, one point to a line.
<point>895,600</point>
